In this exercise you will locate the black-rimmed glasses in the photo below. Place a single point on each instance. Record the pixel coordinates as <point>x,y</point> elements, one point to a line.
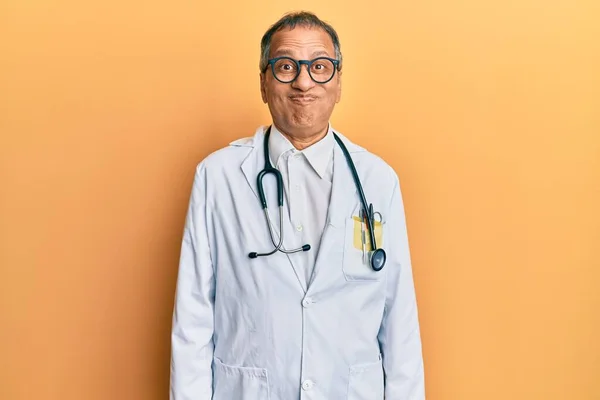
<point>320,69</point>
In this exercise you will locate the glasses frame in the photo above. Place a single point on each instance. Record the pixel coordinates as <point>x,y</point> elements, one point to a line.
<point>299,63</point>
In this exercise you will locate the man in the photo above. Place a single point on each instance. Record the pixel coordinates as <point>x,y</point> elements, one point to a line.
<point>319,319</point>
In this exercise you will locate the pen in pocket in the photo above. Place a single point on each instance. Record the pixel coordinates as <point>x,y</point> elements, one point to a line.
<point>363,236</point>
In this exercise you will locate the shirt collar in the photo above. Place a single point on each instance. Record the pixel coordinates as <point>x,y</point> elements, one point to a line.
<point>318,154</point>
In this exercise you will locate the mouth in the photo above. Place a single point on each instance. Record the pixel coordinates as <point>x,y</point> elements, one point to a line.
<point>302,99</point>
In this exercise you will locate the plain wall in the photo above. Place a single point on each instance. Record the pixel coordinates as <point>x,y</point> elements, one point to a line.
<point>488,111</point>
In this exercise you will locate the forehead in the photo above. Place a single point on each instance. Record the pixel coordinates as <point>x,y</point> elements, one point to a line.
<point>301,39</point>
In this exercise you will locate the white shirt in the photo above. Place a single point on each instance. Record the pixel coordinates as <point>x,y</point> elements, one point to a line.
<point>307,178</point>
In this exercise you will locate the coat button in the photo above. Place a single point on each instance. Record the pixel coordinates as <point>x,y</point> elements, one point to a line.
<point>307,302</point>
<point>307,384</point>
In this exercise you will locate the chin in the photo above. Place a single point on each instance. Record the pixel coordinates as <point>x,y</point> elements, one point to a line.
<point>301,123</point>
<point>304,125</point>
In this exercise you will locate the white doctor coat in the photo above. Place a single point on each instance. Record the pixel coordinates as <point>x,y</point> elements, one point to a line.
<point>254,329</point>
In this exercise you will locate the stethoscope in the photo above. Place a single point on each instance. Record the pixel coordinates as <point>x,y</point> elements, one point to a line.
<point>378,256</point>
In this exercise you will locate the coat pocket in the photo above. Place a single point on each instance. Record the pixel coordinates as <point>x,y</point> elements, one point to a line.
<point>365,381</point>
<point>239,383</point>
<point>356,264</point>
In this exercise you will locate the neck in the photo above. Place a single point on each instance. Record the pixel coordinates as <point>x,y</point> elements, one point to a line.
<point>301,142</point>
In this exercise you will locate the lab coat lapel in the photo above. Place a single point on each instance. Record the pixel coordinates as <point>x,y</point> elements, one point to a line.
<point>251,166</point>
<point>344,198</point>
<point>254,161</point>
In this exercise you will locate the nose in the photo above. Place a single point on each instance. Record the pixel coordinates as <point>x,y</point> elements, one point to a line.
<point>303,81</point>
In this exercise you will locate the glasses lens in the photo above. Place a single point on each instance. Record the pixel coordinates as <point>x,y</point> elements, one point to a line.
<point>285,69</point>
<point>322,70</point>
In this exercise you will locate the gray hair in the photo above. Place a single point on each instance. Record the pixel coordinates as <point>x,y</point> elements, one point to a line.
<point>291,20</point>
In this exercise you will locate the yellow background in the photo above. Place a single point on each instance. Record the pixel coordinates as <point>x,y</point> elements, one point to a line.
<point>488,110</point>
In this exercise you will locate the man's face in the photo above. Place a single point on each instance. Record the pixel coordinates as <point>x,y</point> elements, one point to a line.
<point>303,107</point>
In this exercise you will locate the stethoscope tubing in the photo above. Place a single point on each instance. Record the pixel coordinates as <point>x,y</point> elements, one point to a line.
<point>378,257</point>
<point>367,210</point>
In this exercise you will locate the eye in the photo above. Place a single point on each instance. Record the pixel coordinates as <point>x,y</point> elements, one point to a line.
<point>285,66</point>
<point>322,66</point>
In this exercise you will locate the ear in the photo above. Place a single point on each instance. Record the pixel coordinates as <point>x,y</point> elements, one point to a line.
<point>339,88</point>
<point>263,90</point>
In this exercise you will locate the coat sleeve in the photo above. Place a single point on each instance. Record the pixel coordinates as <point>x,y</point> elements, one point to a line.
<point>399,334</point>
<point>192,326</point>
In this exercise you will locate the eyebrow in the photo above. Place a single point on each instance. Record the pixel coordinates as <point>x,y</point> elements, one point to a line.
<point>289,53</point>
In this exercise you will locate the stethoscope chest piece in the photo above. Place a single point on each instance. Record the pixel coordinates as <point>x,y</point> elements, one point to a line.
<point>378,259</point>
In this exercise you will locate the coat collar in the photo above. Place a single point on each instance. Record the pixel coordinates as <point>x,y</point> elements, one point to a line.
<point>257,141</point>
<point>255,160</point>
<point>343,187</point>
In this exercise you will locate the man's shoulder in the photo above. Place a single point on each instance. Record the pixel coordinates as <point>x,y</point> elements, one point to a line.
<point>234,152</point>
<point>365,158</point>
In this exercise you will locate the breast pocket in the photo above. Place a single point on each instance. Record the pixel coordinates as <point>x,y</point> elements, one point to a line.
<point>239,383</point>
<point>357,245</point>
